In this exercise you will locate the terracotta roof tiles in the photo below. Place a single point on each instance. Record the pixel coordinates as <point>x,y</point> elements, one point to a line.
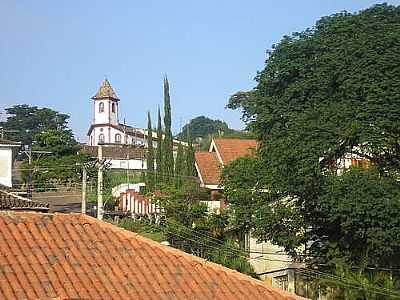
<point>208,166</point>
<point>231,149</point>
<point>73,256</point>
<point>11,201</point>
<point>116,151</point>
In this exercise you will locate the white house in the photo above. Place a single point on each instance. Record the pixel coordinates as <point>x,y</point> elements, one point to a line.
<point>8,150</point>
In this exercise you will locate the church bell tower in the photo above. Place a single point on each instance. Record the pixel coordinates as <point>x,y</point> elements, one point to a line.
<point>105,105</point>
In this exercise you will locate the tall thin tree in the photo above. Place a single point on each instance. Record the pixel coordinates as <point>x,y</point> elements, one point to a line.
<point>159,147</point>
<point>179,166</point>
<point>168,157</point>
<point>150,155</point>
<point>190,159</point>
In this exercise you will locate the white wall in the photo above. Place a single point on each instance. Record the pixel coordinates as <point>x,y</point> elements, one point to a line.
<point>109,135</point>
<point>272,259</point>
<point>6,159</point>
<point>107,116</point>
<point>131,164</point>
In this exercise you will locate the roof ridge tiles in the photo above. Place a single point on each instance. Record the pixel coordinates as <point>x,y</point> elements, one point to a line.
<point>131,258</point>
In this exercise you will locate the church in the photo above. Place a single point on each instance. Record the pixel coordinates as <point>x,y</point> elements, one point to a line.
<point>106,128</point>
<point>124,146</point>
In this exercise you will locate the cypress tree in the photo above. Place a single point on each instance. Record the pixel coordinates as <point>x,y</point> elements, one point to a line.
<point>168,157</point>
<point>179,165</point>
<point>150,155</point>
<point>159,147</point>
<point>190,167</point>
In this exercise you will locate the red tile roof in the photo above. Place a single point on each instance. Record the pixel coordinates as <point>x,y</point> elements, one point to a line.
<point>208,166</point>
<point>11,201</point>
<point>231,149</point>
<point>73,256</point>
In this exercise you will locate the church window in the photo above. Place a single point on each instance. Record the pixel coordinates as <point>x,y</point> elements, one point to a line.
<point>117,138</point>
<point>113,107</point>
<point>101,107</point>
<point>101,138</point>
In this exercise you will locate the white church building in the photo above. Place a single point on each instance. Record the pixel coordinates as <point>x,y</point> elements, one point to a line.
<point>124,145</point>
<point>105,127</point>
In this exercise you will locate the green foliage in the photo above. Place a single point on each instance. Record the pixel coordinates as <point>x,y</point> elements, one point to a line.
<point>144,228</point>
<point>239,180</point>
<point>359,284</point>
<point>190,227</point>
<point>28,121</point>
<point>50,171</point>
<point>159,144</point>
<point>168,157</point>
<point>179,165</point>
<point>59,142</point>
<point>202,127</point>
<point>325,92</point>
<point>356,218</point>
<point>190,169</point>
<point>235,260</point>
<point>150,155</point>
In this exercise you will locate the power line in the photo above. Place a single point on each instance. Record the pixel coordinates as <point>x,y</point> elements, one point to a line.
<point>231,252</point>
<point>343,282</point>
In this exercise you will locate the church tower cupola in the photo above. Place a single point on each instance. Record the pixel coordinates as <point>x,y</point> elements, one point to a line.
<point>105,105</point>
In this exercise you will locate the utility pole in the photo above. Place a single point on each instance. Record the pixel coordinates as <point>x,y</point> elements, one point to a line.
<point>100,210</point>
<point>30,173</point>
<point>84,177</point>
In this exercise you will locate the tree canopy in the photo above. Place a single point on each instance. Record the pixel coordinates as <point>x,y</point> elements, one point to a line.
<point>25,121</point>
<point>202,126</point>
<point>325,92</point>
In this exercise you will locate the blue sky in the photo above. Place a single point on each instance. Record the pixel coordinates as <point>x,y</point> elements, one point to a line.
<point>56,53</point>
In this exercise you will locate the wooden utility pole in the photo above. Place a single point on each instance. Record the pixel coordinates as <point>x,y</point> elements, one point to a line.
<point>84,177</point>
<point>100,210</point>
<point>29,153</point>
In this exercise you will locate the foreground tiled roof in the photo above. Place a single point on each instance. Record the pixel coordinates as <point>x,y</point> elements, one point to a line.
<point>231,149</point>
<point>11,201</point>
<point>73,256</point>
<point>105,91</point>
<point>208,167</point>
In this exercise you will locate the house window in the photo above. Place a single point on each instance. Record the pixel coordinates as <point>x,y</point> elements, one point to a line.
<point>101,107</point>
<point>113,107</point>
<point>118,138</point>
<point>101,138</point>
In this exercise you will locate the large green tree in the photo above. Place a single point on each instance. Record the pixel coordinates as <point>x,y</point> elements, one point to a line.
<point>324,92</point>
<point>58,142</point>
<point>24,122</point>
